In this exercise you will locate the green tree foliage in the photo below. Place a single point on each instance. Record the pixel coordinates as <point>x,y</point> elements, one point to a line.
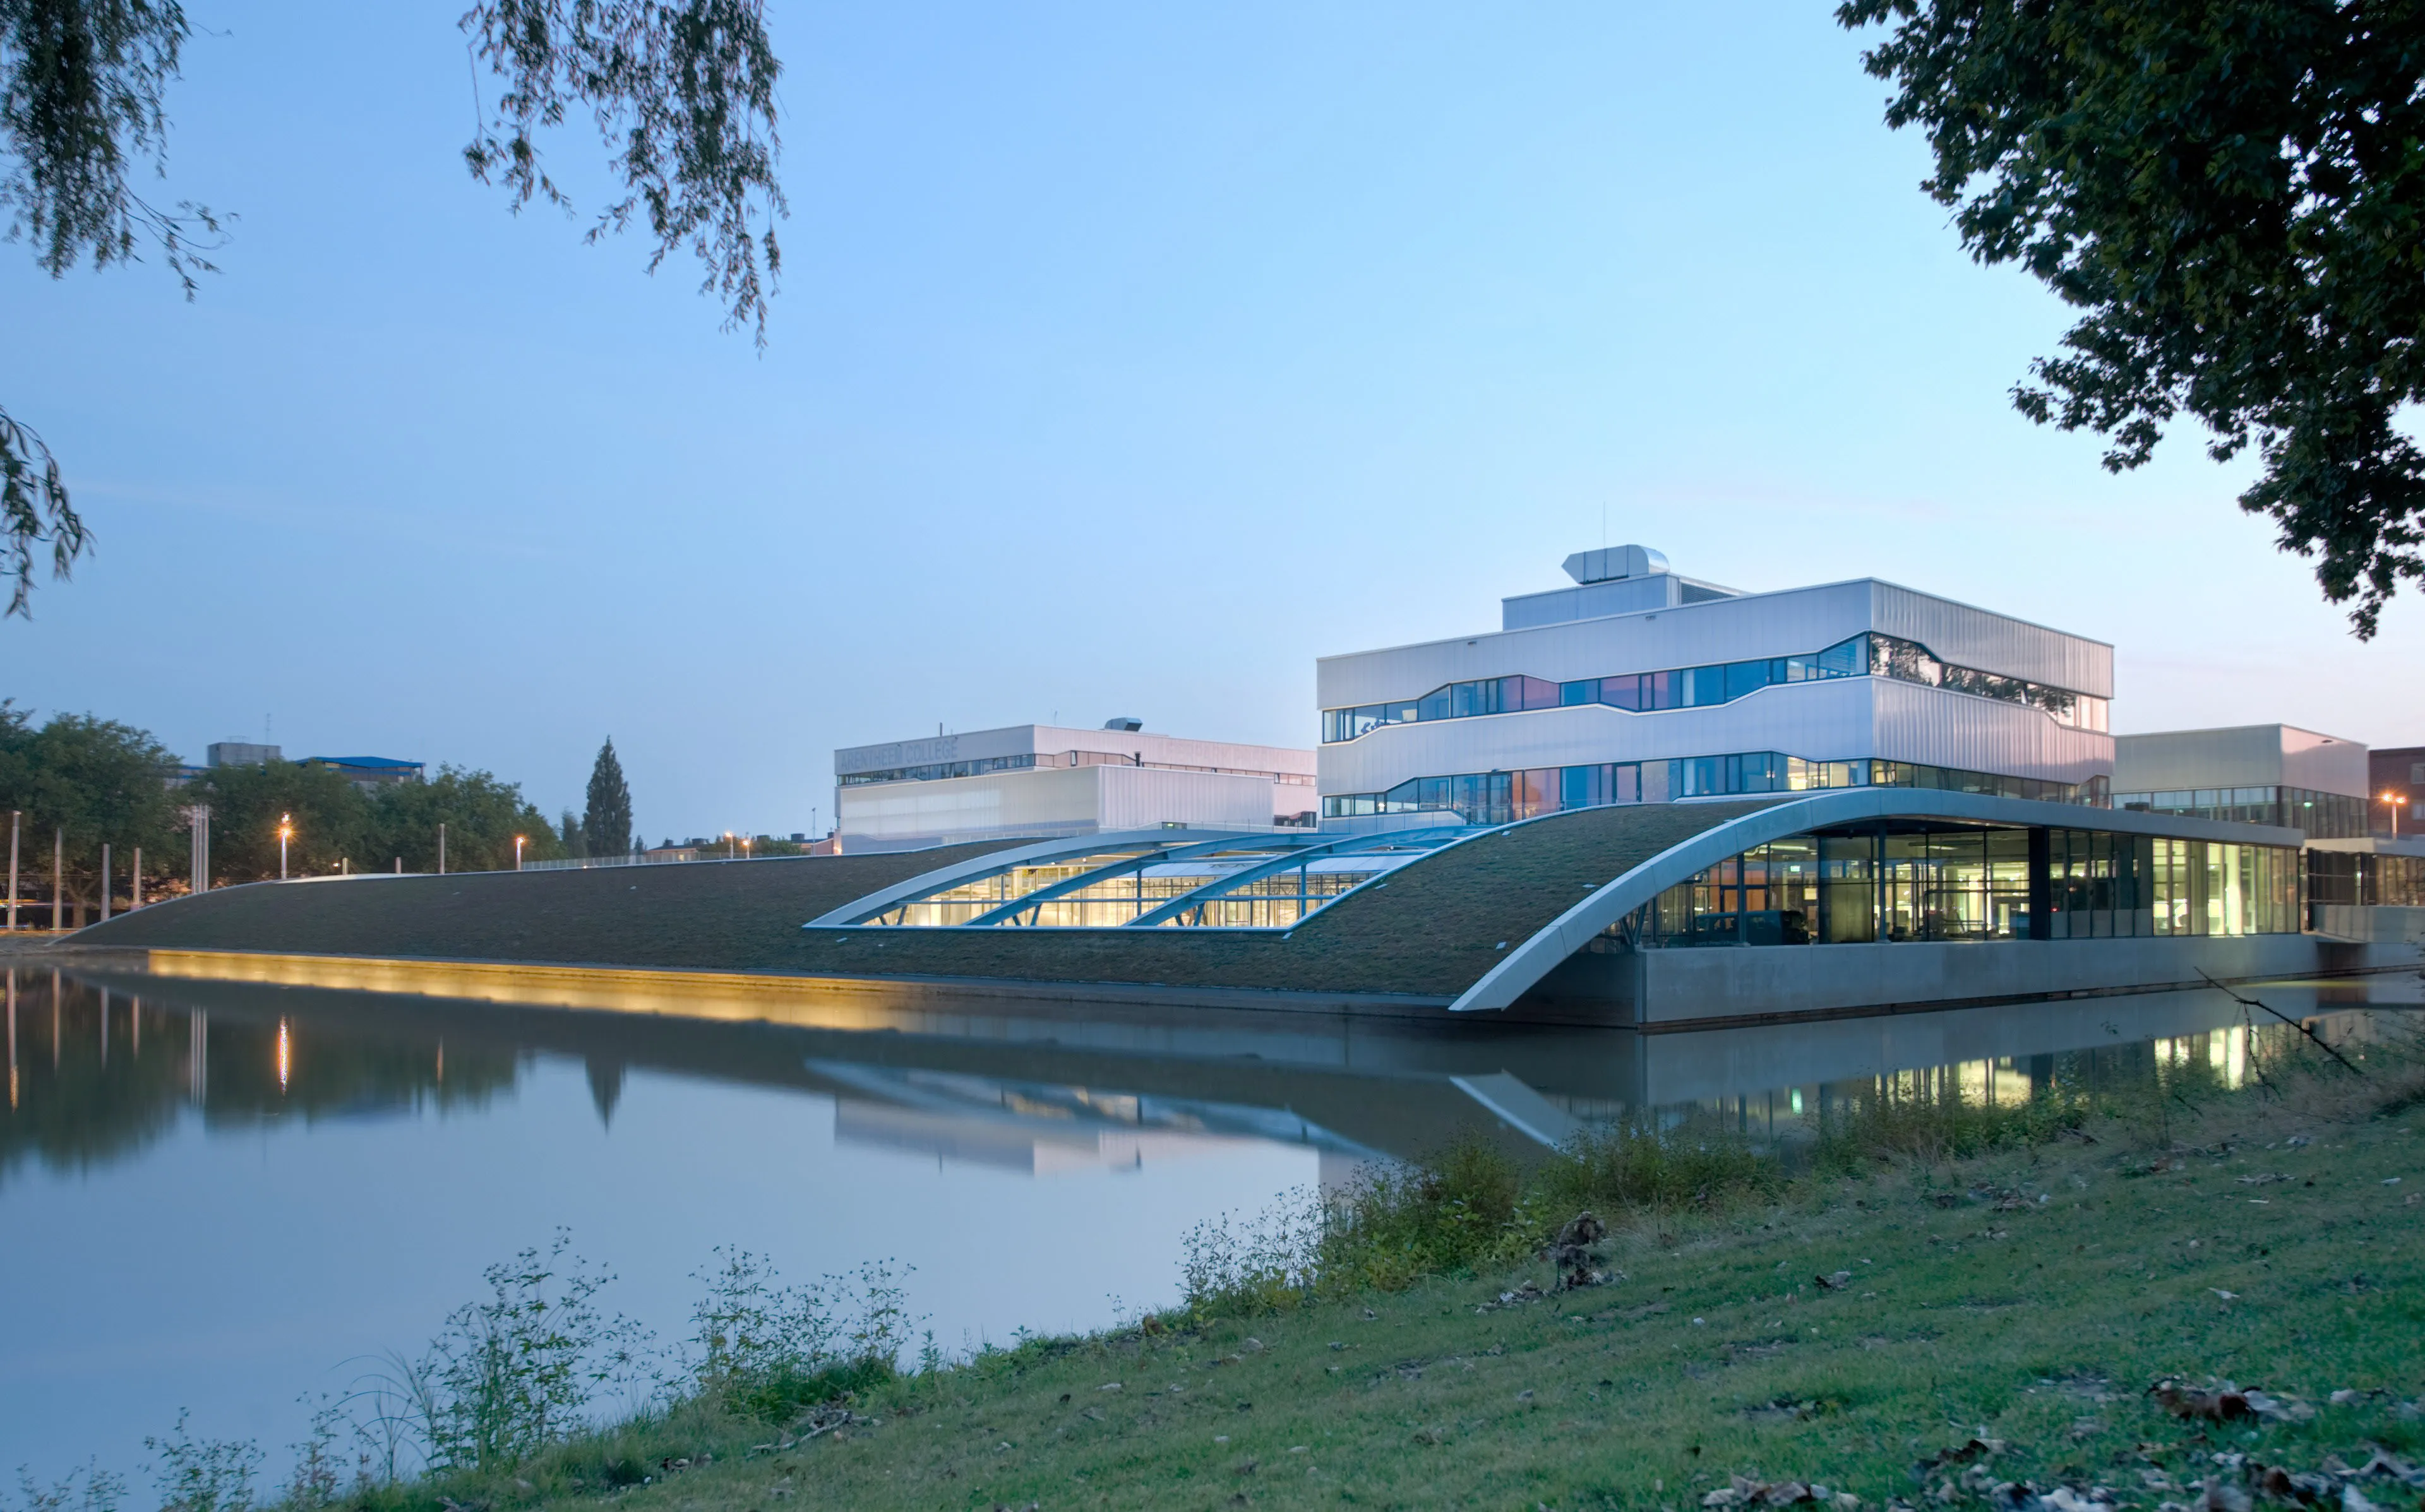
<point>482,816</point>
<point>681,93</point>
<point>575,839</point>
<point>337,823</point>
<point>329,817</point>
<point>101,782</point>
<point>608,825</point>
<point>2233,193</point>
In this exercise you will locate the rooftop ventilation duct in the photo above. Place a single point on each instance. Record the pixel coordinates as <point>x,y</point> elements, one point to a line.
<point>1611,563</point>
<point>1125,724</point>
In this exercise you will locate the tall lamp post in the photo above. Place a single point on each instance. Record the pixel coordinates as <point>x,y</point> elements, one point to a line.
<point>285,833</point>
<point>518,853</point>
<point>2392,800</point>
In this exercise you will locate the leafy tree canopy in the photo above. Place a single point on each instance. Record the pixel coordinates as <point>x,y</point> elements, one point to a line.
<point>2231,191</point>
<point>606,828</point>
<point>681,93</point>
<point>99,781</point>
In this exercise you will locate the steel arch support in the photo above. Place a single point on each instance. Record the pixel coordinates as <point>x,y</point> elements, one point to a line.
<point>1004,913</point>
<point>976,868</point>
<point>1213,890</point>
<point>1501,986</point>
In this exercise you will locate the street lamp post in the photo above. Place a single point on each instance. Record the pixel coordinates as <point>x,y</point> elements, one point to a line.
<point>2392,800</point>
<point>518,853</point>
<point>285,833</point>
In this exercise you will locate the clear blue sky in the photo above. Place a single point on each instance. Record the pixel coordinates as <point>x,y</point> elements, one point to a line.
<point>1127,358</point>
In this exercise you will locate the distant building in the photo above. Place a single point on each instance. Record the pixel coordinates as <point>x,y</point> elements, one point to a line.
<point>2248,775</point>
<point>2398,771</point>
<point>243,754</point>
<point>1047,780</point>
<point>368,772</point>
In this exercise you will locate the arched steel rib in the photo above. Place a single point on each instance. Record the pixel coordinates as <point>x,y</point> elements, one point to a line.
<point>1004,912</point>
<point>1345,845</point>
<point>1501,986</point>
<point>993,862</point>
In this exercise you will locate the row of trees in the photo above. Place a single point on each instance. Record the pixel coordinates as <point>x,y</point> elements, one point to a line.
<point>96,782</point>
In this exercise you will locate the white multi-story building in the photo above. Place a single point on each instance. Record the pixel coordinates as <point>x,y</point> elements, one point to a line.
<point>1641,686</point>
<point>1045,781</point>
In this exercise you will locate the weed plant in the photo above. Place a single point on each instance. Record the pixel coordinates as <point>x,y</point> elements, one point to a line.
<point>767,1350</point>
<point>1469,1208</point>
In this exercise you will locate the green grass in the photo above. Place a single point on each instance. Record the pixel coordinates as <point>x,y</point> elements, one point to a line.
<point>2021,1275</point>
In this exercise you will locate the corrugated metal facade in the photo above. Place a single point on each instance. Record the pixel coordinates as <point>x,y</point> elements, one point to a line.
<point>1825,721</point>
<point>2244,755</point>
<point>1729,630</point>
<point>1055,740</point>
<point>1054,800</point>
<point>1835,721</point>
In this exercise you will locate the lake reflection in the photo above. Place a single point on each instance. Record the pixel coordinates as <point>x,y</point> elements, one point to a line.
<point>221,1194</point>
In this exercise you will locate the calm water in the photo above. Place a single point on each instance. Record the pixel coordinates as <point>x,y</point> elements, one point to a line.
<point>223,1195</point>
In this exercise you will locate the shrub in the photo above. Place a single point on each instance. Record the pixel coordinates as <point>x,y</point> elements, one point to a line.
<point>766,1350</point>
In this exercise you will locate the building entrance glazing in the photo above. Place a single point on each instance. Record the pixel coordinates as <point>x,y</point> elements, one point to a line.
<point>1905,881</point>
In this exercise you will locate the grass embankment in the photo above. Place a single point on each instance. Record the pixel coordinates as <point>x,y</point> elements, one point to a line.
<point>1990,1290</point>
<point>1430,930</point>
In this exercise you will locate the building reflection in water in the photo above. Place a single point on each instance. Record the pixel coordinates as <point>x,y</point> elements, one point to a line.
<point>104,1072</point>
<point>1048,1087</point>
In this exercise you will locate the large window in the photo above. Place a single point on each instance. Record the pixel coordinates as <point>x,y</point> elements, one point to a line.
<point>1503,797</point>
<point>2365,878</point>
<point>1906,881</point>
<point>2323,815</point>
<point>1867,655</point>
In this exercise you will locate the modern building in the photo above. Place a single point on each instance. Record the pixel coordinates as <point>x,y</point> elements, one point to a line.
<point>368,772</point>
<point>1044,781</point>
<point>243,754</point>
<point>2396,789</point>
<point>1639,686</point>
<point>2276,774</point>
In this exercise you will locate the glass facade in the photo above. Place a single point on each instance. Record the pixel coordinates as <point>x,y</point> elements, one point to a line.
<point>1903,880</point>
<point>1867,655</point>
<point>1137,883</point>
<point>2324,816</point>
<point>1504,797</point>
<point>2366,880</point>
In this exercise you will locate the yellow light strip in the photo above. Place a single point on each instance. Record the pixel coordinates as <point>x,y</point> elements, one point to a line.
<point>817,1002</point>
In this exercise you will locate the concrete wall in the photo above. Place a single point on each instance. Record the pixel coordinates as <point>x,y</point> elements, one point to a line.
<point>1736,983</point>
<point>2371,926</point>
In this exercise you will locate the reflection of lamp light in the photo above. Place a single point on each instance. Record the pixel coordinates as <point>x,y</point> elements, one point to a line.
<point>286,1056</point>
<point>2392,800</point>
<point>285,833</point>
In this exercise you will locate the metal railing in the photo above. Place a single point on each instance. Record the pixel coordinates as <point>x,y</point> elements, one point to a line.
<point>636,858</point>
